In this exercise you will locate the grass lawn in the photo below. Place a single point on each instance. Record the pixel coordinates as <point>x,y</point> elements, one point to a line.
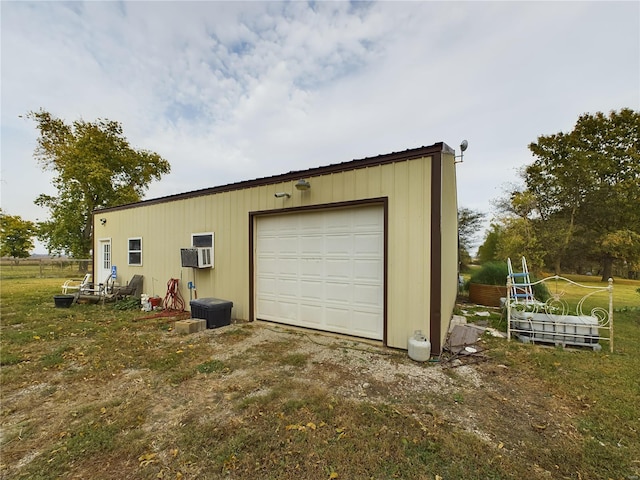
<point>42,268</point>
<point>96,392</point>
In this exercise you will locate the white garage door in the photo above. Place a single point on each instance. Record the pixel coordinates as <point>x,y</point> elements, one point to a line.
<point>323,270</point>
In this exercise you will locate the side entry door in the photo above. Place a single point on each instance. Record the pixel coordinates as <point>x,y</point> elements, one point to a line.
<point>104,261</point>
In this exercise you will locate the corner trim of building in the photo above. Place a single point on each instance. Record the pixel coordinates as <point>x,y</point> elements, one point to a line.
<point>435,302</point>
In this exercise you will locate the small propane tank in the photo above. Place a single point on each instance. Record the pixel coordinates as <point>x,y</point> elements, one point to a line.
<point>419,347</point>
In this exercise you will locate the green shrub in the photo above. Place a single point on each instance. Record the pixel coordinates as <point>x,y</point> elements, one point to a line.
<point>540,291</point>
<point>491,273</point>
<point>131,303</point>
<point>495,273</point>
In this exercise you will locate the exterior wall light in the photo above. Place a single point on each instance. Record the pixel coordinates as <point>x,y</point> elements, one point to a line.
<point>103,221</point>
<point>282,195</point>
<point>303,185</point>
<point>463,147</point>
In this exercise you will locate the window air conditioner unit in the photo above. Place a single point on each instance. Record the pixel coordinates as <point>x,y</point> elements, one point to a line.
<point>201,257</point>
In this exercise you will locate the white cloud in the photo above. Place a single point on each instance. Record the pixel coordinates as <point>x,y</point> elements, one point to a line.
<point>238,90</point>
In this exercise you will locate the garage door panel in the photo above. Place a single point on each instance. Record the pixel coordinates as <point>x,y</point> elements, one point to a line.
<point>338,245</point>
<point>312,290</point>
<point>287,287</point>
<point>311,245</point>
<point>367,296</point>
<point>367,218</point>
<point>338,268</point>
<point>286,266</point>
<point>312,222</point>
<point>312,315</point>
<point>366,325</point>
<point>287,246</point>
<point>338,319</point>
<point>267,286</point>
<point>338,293</point>
<point>267,264</point>
<point>323,270</point>
<point>366,244</point>
<point>287,310</point>
<point>340,221</point>
<point>367,270</point>
<point>310,267</point>
<point>268,307</point>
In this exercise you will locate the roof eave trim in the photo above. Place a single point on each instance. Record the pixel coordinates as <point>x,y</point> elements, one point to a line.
<point>393,157</point>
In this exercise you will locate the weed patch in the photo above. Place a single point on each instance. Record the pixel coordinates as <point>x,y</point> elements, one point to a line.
<point>295,360</point>
<point>8,358</point>
<point>212,366</point>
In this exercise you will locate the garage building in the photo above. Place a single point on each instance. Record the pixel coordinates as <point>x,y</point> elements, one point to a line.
<point>366,248</point>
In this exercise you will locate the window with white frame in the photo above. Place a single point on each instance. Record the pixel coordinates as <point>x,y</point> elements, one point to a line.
<point>203,244</point>
<point>202,239</point>
<point>135,251</point>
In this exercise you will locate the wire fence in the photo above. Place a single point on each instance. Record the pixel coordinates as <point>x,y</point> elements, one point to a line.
<point>44,268</point>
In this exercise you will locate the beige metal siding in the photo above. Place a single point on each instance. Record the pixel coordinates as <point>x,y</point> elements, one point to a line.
<point>166,227</point>
<point>408,257</point>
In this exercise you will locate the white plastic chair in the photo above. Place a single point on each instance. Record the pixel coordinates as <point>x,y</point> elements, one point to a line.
<point>77,286</point>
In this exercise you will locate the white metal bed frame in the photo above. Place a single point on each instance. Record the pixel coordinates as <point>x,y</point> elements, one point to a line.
<point>553,321</point>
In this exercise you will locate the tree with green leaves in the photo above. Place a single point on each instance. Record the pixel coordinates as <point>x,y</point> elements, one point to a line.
<point>16,236</point>
<point>583,190</point>
<point>623,245</point>
<point>469,224</point>
<point>519,239</point>
<point>488,251</point>
<point>94,167</point>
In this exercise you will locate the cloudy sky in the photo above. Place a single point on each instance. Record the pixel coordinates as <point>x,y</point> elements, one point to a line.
<point>230,91</point>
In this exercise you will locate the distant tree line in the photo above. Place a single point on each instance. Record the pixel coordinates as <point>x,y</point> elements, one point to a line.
<point>578,207</point>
